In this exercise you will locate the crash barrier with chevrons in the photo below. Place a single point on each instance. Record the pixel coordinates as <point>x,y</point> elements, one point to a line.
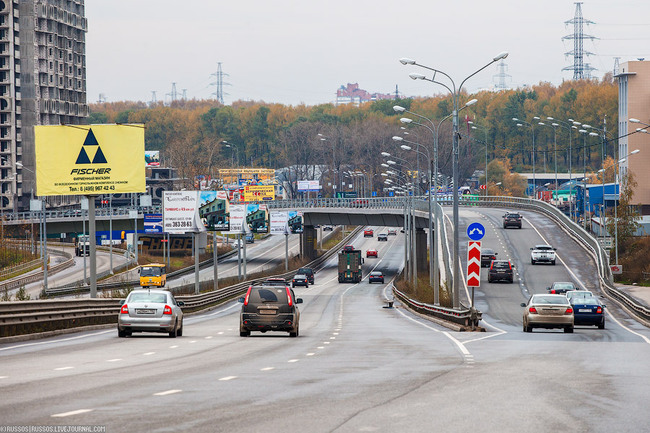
<point>27,317</point>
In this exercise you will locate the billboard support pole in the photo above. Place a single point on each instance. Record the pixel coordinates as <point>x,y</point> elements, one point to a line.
<point>92,238</point>
<point>110,230</point>
<point>196,262</point>
<point>43,208</point>
<point>286,249</point>
<point>215,259</point>
<point>239,256</point>
<point>244,258</point>
<point>83,249</point>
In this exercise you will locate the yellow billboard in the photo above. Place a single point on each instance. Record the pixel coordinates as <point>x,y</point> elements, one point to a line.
<point>259,192</point>
<point>89,159</point>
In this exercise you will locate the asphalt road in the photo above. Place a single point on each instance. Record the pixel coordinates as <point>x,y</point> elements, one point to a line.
<point>355,367</point>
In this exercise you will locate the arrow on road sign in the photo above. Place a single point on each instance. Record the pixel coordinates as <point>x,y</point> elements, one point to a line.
<point>473,264</point>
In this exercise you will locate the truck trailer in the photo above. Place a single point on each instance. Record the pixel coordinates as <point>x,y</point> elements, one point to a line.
<point>350,266</point>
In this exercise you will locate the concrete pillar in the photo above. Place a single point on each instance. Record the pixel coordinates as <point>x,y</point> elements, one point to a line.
<point>309,240</point>
<point>421,251</point>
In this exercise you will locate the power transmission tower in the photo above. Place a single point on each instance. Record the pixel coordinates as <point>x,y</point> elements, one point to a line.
<point>102,98</point>
<point>219,83</point>
<point>579,68</point>
<point>153,98</point>
<point>501,76</point>
<point>396,92</point>
<point>184,95</point>
<point>174,94</point>
<point>616,59</point>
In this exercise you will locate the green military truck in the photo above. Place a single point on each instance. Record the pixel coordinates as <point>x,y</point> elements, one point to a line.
<point>350,262</point>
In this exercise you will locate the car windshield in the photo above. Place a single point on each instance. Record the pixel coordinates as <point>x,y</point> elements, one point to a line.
<point>500,265</point>
<point>549,299</point>
<point>262,295</point>
<point>585,301</point>
<point>153,298</point>
<point>563,286</point>
<point>305,271</point>
<point>513,215</point>
<point>543,247</point>
<point>579,294</point>
<point>299,277</point>
<point>375,274</point>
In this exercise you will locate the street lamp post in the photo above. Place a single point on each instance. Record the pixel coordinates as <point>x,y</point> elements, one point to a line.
<point>474,126</point>
<point>554,126</point>
<point>618,194</point>
<point>455,93</point>
<point>520,124</point>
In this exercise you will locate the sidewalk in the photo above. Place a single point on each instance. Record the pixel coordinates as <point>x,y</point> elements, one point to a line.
<point>640,293</point>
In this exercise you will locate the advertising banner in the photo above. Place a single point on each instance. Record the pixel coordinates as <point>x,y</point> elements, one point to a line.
<point>257,218</point>
<point>309,185</point>
<point>89,159</point>
<point>279,222</point>
<point>152,158</point>
<point>295,221</point>
<point>181,212</point>
<point>214,209</point>
<point>259,192</point>
<point>153,223</point>
<point>237,215</point>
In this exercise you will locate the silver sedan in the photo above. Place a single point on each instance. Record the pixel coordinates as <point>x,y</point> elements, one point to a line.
<point>149,310</point>
<point>548,311</point>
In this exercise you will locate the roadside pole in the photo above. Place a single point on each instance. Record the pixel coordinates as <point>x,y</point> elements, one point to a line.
<point>196,263</point>
<point>83,229</point>
<point>93,246</point>
<point>44,244</point>
<point>239,256</point>
<point>286,248</point>
<point>215,258</point>
<point>110,229</point>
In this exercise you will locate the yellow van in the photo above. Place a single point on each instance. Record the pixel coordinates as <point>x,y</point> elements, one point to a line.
<point>153,274</point>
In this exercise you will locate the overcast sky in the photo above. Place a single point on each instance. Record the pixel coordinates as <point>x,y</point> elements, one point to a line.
<point>302,51</point>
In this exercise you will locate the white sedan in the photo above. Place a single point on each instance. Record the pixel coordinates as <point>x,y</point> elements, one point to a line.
<point>542,254</point>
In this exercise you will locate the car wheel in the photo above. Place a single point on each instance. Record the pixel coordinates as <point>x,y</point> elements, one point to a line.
<point>293,286</point>
<point>244,333</point>
<point>120,333</point>
<point>601,325</point>
<point>294,333</point>
<point>180,330</point>
<point>568,330</point>
<point>553,262</point>
<point>382,281</point>
<point>532,262</point>
<point>174,332</point>
<point>512,280</point>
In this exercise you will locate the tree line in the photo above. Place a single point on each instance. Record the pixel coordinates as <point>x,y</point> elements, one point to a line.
<point>197,137</point>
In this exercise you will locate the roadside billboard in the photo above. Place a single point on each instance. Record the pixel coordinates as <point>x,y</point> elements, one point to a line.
<point>278,222</point>
<point>308,185</point>
<point>295,221</point>
<point>153,223</point>
<point>214,210</point>
<point>181,212</point>
<point>257,218</point>
<point>152,158</point>
<point>259,192</point>
<point>89,159</point>
<point>237,218</point>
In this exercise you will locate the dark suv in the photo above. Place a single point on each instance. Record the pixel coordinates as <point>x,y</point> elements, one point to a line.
<point>309,272</point>
<point>512,219</point>
<point>501,270</point>
<point>269,308</point>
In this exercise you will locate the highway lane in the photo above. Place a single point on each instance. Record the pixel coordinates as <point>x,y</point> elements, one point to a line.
<point>355,367</point>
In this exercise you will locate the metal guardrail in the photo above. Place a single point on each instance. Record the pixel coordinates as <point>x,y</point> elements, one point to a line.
<point>26,317</point>
<point>465,317</point>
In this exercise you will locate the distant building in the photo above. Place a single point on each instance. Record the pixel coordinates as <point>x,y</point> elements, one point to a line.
<point>352,94</point>
<point>633,97</point>
<point>42,82</point>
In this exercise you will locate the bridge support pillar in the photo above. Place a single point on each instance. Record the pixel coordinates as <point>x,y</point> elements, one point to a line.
<point>309,239</point>
<point>421,251</point>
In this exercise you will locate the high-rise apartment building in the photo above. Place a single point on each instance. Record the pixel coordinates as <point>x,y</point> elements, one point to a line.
<point>42,82</point>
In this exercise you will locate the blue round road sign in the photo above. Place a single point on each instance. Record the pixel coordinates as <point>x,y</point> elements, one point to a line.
<point>476,231</point>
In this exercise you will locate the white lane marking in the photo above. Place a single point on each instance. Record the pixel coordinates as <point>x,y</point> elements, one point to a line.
<point>293,360</point>
<point>267,369</point>
<point>309,354</point>
<point>320,347</point>
<point>74,412</point>
<point>208,337</point>
<point>460,345</point>
<point>223,379</point>
<point>63,368</point>
<point>335,333</point>
<point>193,341</point>
<point>169,392</point>
<point>148,353</point>
<point>173,347</point>
<point>222,310</point>
<point>4,377</point>
<point>580,282</point>
<point>332,338</point>
<point>114,360</point>
<point>220,333</point>
<point>56,341</point>
<point>326,342</point>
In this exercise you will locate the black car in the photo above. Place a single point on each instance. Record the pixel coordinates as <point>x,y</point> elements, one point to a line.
<point>487,255</point>
<point>309,272</point>
<point>269,308</point>
<point>376,277</point>
<point>501,270</point>
<point>588,310</point>
<point>300,280</point>
<point>560,288</point>
<point>328,228</point>
<point>512,219</point>
<point>382,237</point>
